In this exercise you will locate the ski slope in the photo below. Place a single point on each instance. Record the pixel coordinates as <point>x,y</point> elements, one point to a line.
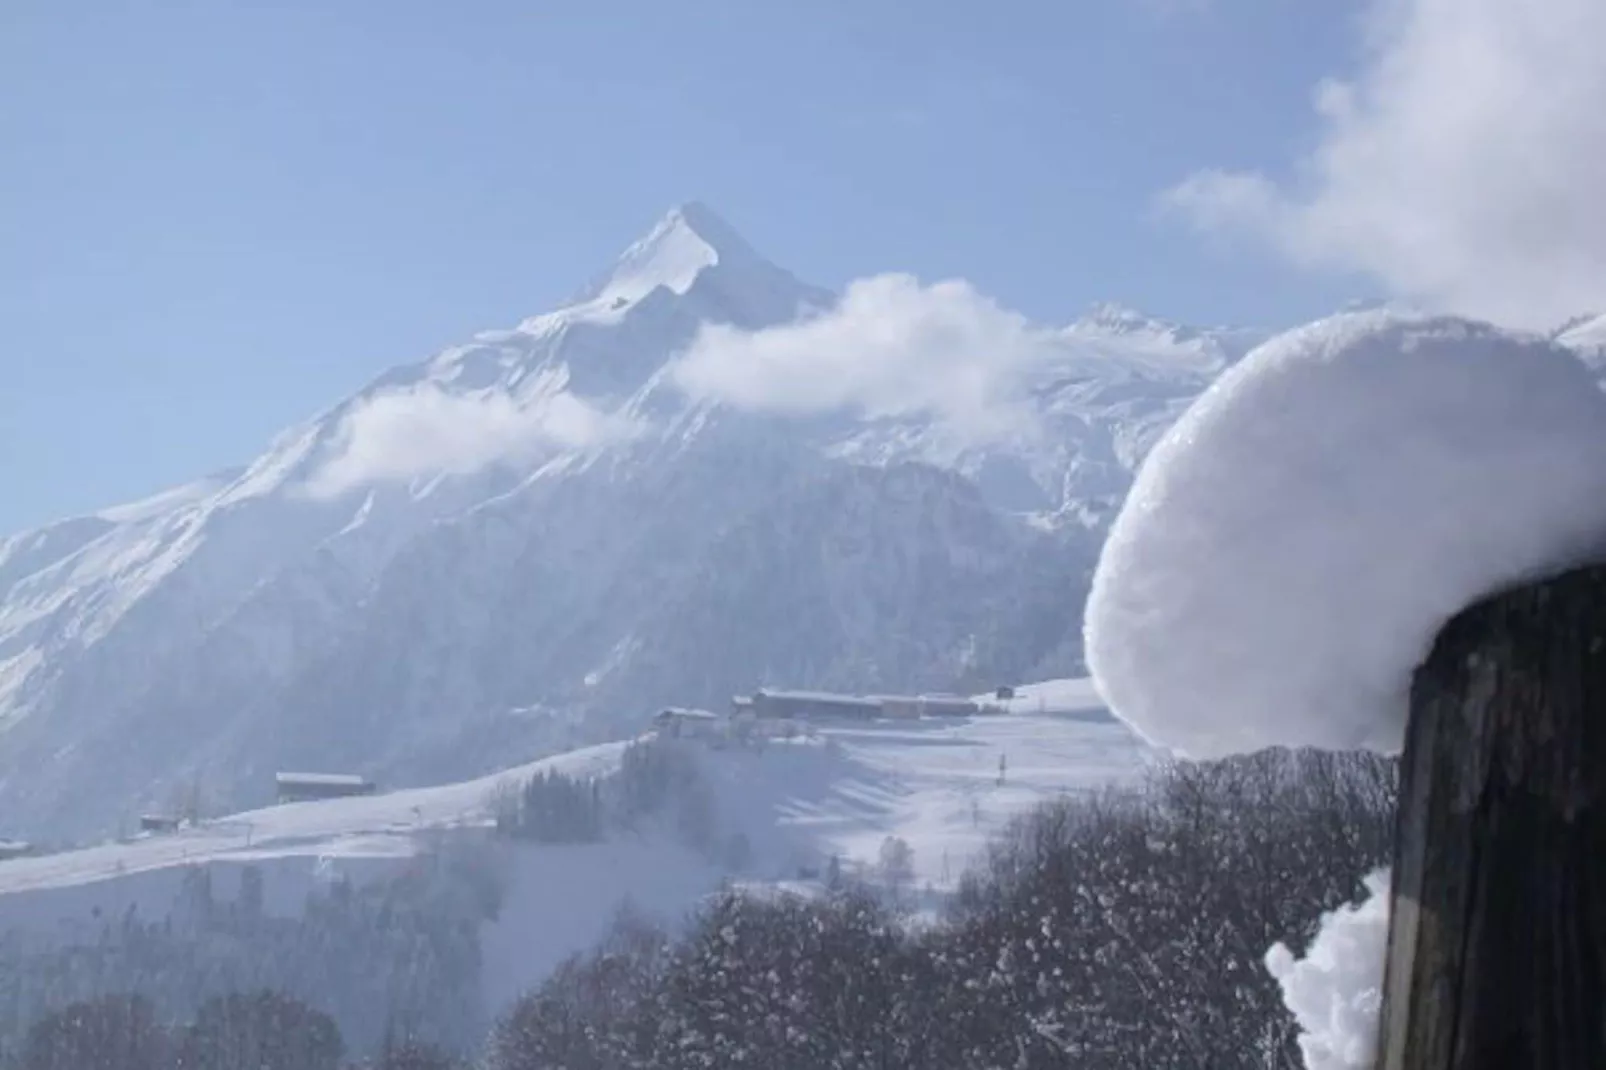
<point>943,785</point>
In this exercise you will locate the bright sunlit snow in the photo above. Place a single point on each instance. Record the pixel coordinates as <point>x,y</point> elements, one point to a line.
<point>1336,990</point>
<point>1295,541</point>
<point>944,786</point>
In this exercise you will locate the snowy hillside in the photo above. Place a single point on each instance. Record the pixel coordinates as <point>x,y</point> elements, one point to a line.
<point>934,783</point>
<point>524,542</point>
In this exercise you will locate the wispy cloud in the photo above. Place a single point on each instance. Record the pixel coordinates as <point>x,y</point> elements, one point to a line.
<point>1462,166</point>
<point>890,347</point>
<point>424,431</point>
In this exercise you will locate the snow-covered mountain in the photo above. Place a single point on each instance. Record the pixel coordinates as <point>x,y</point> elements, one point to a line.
<point>530,539</point>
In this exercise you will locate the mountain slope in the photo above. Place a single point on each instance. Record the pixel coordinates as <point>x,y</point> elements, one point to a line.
<point>513,546</point>
<point>933,783</point>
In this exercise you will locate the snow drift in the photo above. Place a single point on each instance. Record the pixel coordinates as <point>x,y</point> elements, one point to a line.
<point>1292,545</point>
<point>1336,991</point>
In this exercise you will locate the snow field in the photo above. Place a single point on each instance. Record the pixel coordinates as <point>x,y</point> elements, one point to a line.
<point>933,783</point>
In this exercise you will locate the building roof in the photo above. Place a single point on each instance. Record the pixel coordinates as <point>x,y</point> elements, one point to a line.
<point>322,780</point>
<point>688,714</point>
<point>817,696</point>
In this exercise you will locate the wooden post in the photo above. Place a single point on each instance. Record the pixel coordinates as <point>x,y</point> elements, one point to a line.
<point>1497,939</point>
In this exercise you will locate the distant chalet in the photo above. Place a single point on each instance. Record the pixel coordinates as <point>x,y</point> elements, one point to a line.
<point>678,721</point>
<point>312,787</point>
<point>768,704</point>
<point>813,705</point>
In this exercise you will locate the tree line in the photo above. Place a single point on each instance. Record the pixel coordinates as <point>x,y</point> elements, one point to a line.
<point>1118,930</point>
<point>658,782</point>
<point>394,954</point>
<point>262,1030</point>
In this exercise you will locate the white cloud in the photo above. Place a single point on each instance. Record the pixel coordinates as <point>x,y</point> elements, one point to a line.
<point>1464,166</point>
<point>424,431</point>
<point>890,347</point>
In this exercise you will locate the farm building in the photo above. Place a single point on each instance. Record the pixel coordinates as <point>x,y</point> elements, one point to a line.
<point>902,707</point>
<point>947,706</point>
<point>695,724</point>
<point>769,705</point>
<point>813,705</point>
<point>909,707</point>
<point>309,787</point>
<point>159,823</point>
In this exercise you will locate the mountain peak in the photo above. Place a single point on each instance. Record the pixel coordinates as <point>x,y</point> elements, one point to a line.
<point>709,226</point>
<point>690,245</point>
<point>1116,316</point>
<point>688,240</point>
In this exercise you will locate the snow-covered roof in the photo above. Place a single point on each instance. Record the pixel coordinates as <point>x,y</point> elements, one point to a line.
<point>1294,543</point>
<point>330,780</point>
<point>687,714</point>
<point>816,696</point>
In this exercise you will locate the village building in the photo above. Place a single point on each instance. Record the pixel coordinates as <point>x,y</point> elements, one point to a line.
<point>900,707</point>
<point>311,787</point>
<point>947,706</point>
<point>813,705</point>
<point>770,705</point>
<point>677,722</point>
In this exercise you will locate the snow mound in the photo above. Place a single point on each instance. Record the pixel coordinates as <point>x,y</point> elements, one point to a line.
<point>1335,992</point>
<point>1293,544</point>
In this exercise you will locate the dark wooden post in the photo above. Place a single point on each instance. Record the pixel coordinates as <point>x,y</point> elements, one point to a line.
<point>1497,939</point>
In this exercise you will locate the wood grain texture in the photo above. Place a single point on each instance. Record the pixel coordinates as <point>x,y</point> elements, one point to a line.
<point>1497,938</point>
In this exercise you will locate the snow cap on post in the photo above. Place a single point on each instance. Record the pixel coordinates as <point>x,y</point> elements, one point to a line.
<point>1293,544</point>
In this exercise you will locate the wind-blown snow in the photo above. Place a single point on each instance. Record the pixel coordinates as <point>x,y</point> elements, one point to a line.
<point>1587,338</point>
<point>896,348</point>
<point>425,431</point>
<point>173,499</point>
<point>1335,992</point>
<point>1294,542</point>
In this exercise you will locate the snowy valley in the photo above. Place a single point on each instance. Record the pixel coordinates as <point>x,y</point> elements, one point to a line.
<point>829,799</point>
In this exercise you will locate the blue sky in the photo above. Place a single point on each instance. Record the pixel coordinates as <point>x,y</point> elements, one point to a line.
<point>219,217</point>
